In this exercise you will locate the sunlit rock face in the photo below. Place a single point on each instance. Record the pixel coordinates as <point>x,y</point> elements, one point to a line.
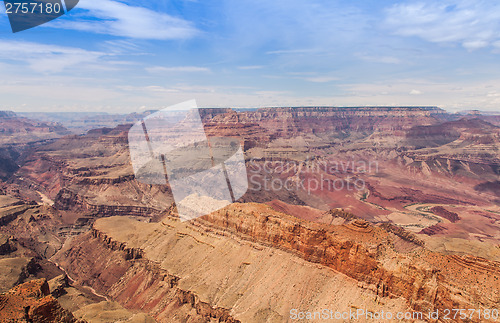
<point>377,208</point>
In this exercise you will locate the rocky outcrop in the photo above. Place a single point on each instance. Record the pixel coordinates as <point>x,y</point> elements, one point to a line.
<point>425,286</point>
<point>130,253</point>
<point>262,126</point>
<point>478,264</point>
<point>342,214</point>
<point>107,181</point>
<point>6,245</point>
<point>165,299</point>
<point>133,281</point>
<point>67,200</point>
<point>426,280</point>
<point>58,285</point>
<point>16,130</point>
<point>402,233</point>
<point>444,213</point>
<point>32,302</point>
<point>113,210</point>
<point>91,175</point>
<point>9,214</point>
<point>433,230</point>
<point>16,270</point>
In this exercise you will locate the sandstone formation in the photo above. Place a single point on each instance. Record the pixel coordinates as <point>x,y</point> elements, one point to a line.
<point>393,208</point>
<point>32,302</point>
<point>148,266</point>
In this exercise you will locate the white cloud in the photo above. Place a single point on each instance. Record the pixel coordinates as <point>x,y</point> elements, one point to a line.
<point>181,69</point>
<point>475,44</point>
<point>37,92</point>
<point>291,51</point>
<point>157,88</point>
<point>473,24</point>
<point>321,79</point>
<point>194,89</point>
<point>119,19</point>
<point>68,94</point>
<point>121,46</point>
<point>46,58</point>
<point>455,95</point>
<point>380,59</point>
<point>250,67</point>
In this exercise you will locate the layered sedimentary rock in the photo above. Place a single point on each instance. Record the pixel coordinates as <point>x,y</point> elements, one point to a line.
<point>250,262</point>
<point>19,136</point>
<point>19,130</point>
<point>239,261</point>
<point>32,302</point>
<point>441,211</point>
<point>89,173</point>
<point>96,166</point>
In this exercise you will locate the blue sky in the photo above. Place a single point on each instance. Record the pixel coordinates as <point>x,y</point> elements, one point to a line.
<point>124,56</point>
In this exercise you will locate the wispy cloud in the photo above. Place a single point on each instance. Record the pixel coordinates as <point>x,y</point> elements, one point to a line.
<point>46,58</point>
<point>61,92</point>
<point>473,24</point>
<point>121,46</point>
<point>180,69</point>
<point>321,79</point>
<point>450,95</point>
<point>120,19</point>
<point>290,51</point>
<point>380,59</point>
<point>250,67</point>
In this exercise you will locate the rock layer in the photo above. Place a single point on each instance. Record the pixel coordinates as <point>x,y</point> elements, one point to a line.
<point>176,258</point>
<point>32,302</point>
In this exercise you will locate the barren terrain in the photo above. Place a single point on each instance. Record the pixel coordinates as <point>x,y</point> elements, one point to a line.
<point>347,208</point>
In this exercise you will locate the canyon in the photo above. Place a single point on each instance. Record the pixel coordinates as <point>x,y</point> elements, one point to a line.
<point>392,208</point>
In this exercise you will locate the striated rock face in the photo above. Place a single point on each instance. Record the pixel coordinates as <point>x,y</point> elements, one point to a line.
<point>224,260</point>
<point>19,130</point>
<point>434,229</point>
<point>426,284</point>
<point>130,253</point>
<point>135,282</point>
<point>264,125</point>
<point>67,200</point>
<point>442,212</point>
<point>230,264</point>
<point>9,214</point>
<point>403,234</point>
<point>335,118</point>
<point>90,174</point>
<point>32,302</point>
<point>93,170</point>
<point>19,136</point>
